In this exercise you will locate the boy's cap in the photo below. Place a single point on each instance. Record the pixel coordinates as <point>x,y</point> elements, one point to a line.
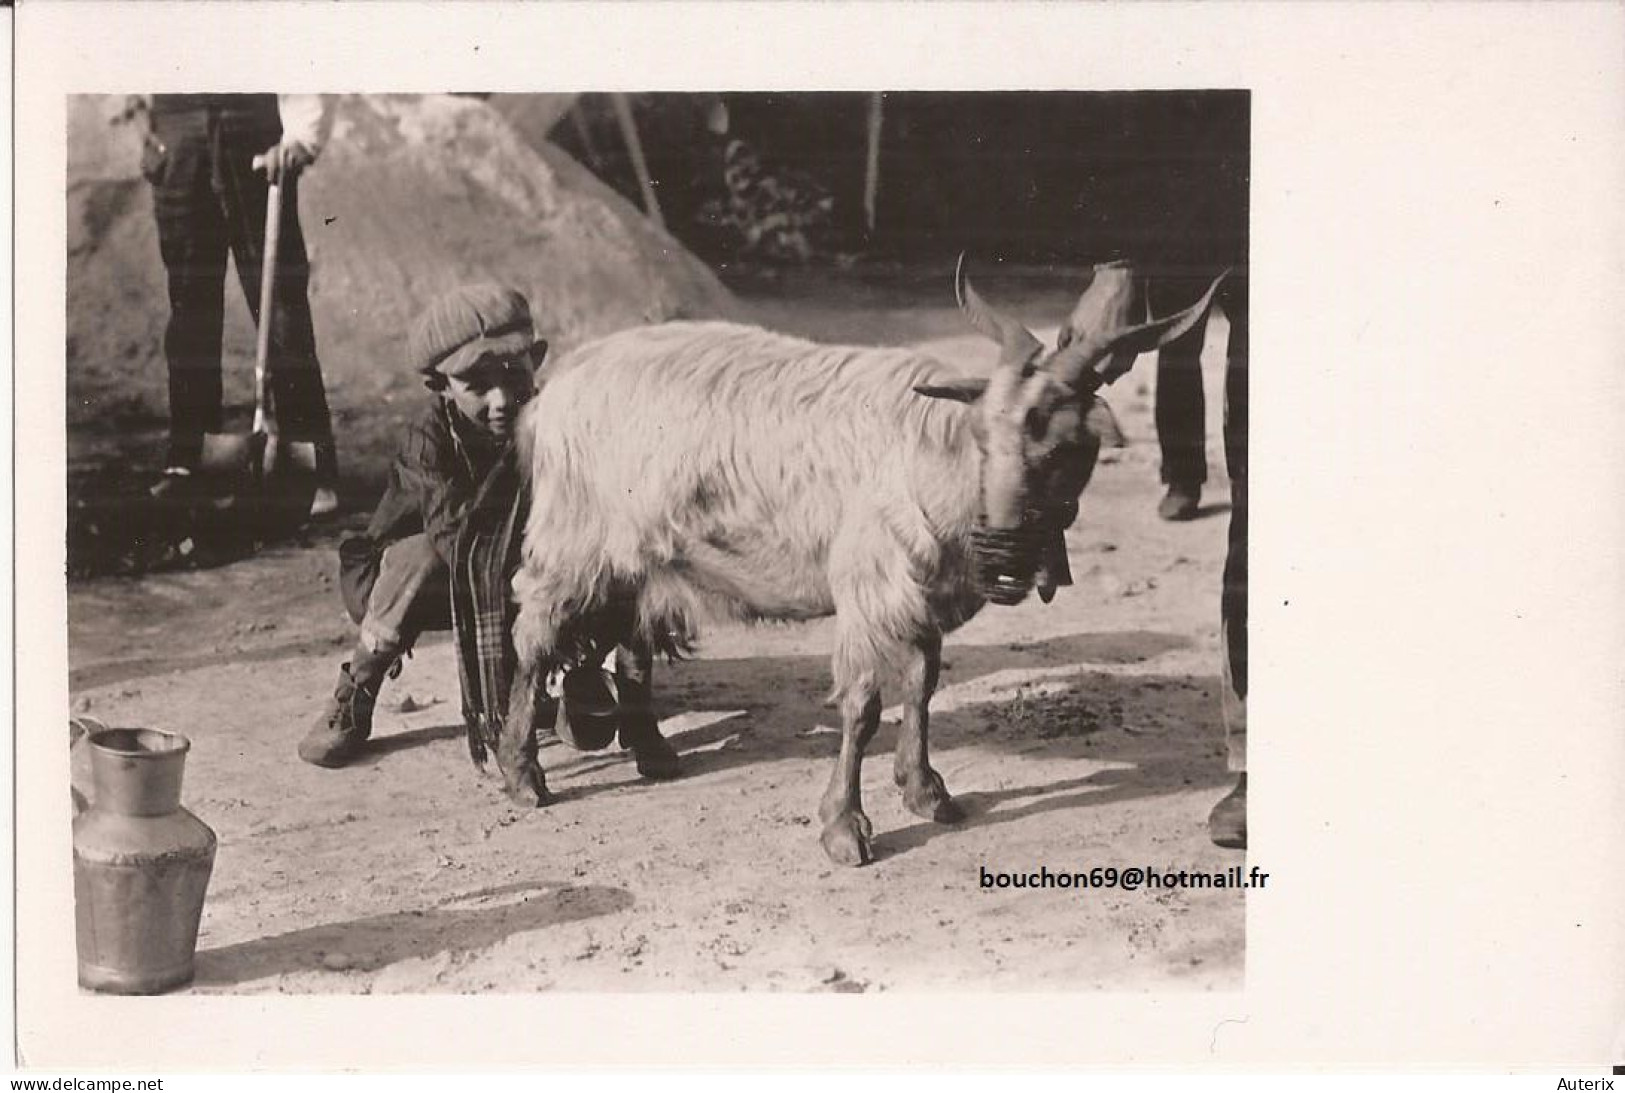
<point>467,323</point>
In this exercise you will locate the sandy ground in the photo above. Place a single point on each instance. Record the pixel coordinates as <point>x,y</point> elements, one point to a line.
<point>1085,733</point>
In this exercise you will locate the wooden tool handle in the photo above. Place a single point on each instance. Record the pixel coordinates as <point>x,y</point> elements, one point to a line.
<point>264,420</point>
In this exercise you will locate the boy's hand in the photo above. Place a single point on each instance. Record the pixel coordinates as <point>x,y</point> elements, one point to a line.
<point>283,161</point>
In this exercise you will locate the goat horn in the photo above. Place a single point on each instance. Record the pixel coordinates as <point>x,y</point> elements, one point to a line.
<point>1017,341</point>
<point>1121,347</point>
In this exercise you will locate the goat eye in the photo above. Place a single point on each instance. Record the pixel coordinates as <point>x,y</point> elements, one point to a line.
<point>1036,422</point>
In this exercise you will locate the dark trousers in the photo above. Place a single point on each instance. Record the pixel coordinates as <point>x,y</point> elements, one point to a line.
<point>1181,431</point>
<point>209,201</point>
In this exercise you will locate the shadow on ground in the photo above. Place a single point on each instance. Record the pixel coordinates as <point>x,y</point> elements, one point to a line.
<point>1152,734</point>
<point>455,926</point>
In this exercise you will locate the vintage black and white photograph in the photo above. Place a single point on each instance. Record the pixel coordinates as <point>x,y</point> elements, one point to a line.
<point>520,516</point>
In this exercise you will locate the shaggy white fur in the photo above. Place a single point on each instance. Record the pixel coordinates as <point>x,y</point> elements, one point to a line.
<point>709,469</point>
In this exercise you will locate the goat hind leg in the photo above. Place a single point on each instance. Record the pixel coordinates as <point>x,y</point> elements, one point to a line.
<point>522,776</point>
<point>924,792</point>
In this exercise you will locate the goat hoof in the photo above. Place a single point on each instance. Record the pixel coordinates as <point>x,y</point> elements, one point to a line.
<point>847,838</point>
<point>528,789</point>
<point>929,806</point>
<point>929,799</point>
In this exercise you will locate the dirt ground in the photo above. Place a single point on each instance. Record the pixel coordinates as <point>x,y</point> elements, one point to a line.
<point>1085,733</point>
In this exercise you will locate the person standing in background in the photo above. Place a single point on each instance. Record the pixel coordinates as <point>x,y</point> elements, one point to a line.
<point>1180,412</point>
<point>1191,225</point>
<point>211,160</point>
<point>1181,406</point>
<point>1167,294</point>
<point>1227,824</point>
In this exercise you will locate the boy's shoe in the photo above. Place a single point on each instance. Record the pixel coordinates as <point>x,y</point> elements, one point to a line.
<point>324,503</point>
<point>343,727</point>
<point>1181,502</point>
<point>1227,823</point>
<point>656,759</point>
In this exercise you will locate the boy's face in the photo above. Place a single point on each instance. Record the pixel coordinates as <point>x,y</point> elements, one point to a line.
<point>491,392</point>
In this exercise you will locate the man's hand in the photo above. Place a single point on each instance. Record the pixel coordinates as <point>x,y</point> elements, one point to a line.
<point>283,161</point>
<point>135,106</point>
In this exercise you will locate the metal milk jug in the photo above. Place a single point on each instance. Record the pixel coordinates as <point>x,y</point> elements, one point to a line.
<point>141,865</point>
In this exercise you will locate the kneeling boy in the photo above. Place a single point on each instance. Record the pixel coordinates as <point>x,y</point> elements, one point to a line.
<point>478,352</point>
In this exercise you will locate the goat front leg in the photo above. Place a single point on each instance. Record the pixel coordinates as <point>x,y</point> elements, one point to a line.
<point>847,831</point>
<point>924,793</point>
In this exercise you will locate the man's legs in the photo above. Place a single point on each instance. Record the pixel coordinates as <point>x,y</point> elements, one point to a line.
<point>1180,404</point>
<point>192,241</point>
<point>411,595</point>
<point>1228,822</point>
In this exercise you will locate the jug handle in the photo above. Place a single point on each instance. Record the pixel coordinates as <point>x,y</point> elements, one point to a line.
<point>85,724</point>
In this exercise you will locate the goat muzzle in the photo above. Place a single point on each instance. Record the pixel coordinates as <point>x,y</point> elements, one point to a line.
<point>1011,561</point>
<point>1006,561</point>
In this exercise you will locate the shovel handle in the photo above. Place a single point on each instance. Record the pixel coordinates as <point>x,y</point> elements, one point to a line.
<point>264,422</point>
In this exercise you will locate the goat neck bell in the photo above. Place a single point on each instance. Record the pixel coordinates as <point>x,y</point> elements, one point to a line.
<point>1054,569</point>
<point>141,866</point>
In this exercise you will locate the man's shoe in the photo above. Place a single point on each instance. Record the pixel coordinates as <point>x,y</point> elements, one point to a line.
<point>343,726</point>
<point>324,503</point>
<point>176,484</point>
<point>1181,502</point>
<point>1227,823</point>
<point>656,759</point>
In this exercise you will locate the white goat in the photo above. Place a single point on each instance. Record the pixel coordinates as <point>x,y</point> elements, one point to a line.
<point>695,469</point>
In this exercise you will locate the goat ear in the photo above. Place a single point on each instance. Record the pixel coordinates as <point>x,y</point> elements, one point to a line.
<point>1101,422</point>
<point>962,390</point>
